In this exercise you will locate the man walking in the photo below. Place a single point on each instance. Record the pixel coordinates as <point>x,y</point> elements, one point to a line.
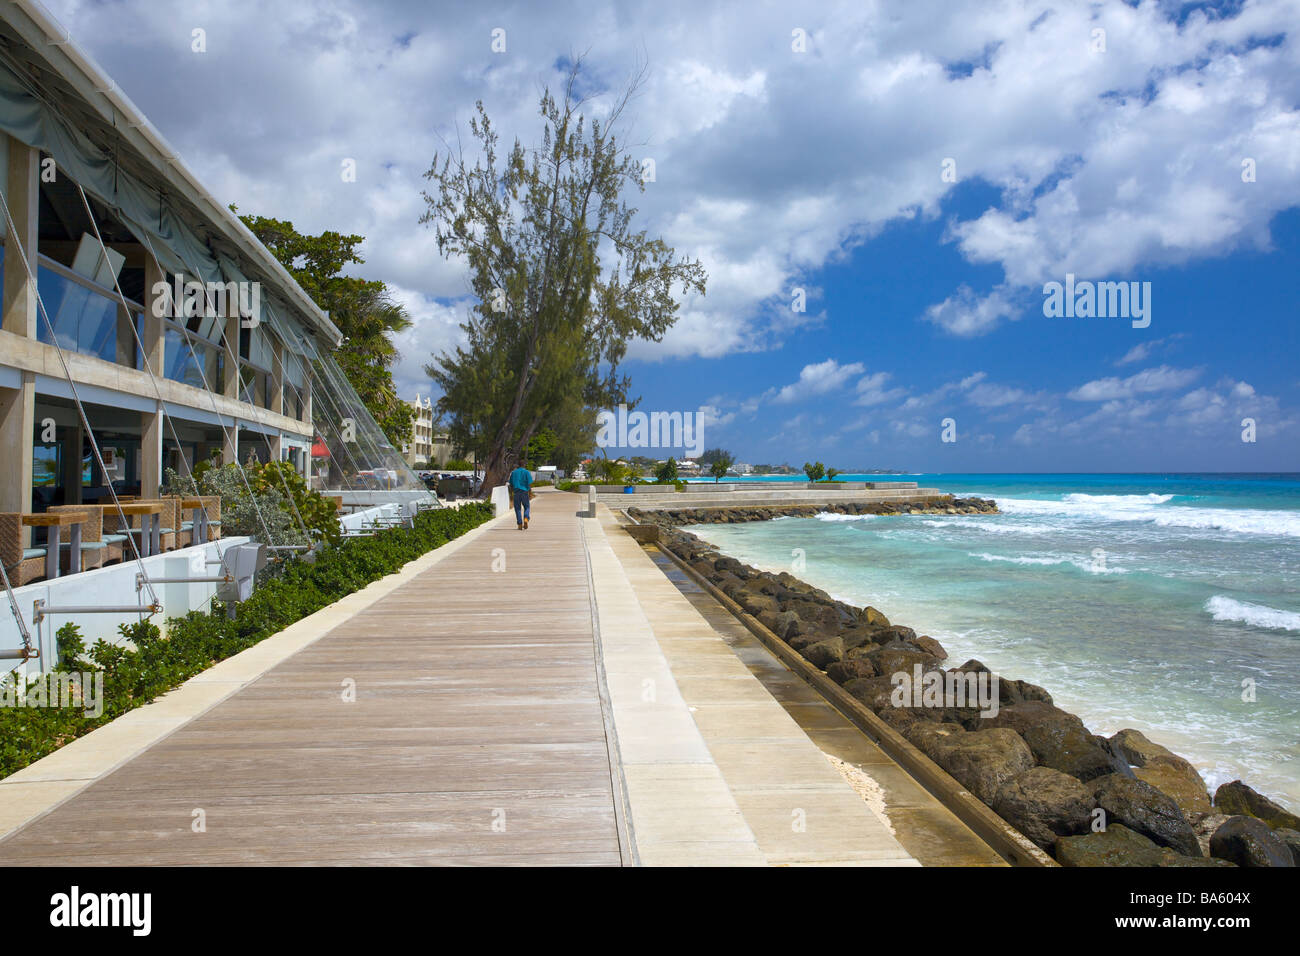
<point>521,486</point>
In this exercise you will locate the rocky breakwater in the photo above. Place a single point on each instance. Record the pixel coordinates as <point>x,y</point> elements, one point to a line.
<point>1087,800</point>
<point>947,505</point>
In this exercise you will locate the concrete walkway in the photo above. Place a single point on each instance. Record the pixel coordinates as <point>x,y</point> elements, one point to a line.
<point>539,697</point>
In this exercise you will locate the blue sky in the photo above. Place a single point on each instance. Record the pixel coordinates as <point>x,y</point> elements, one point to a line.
<point>805,146</point>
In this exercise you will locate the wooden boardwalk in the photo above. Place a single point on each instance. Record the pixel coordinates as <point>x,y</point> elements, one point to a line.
<point>477,735</point>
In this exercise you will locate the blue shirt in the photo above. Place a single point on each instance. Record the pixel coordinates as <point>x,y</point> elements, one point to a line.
<point>521,479</point>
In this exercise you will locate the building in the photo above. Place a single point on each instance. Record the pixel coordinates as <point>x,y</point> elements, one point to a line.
<point>178,338</point>
<point>419,450</point>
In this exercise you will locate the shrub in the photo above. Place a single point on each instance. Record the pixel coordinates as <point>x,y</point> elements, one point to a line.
<point>268,511</point>
<point>136,675</point>
<point>458,464</point>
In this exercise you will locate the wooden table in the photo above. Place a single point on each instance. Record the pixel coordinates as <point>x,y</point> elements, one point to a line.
<point>150,513</point>
<point>54,522</point>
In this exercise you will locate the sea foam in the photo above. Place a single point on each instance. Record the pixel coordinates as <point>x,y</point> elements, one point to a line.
<point>1156,510</point>
<point>1223,608</point>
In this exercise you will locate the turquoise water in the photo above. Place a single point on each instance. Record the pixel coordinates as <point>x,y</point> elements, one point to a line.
<point>1137,600</point>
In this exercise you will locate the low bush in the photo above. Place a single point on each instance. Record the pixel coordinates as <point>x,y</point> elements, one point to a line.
<point>154,665</point>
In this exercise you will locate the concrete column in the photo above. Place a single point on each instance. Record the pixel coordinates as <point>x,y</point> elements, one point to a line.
<point>152,336</point>
<point>22,193</point>
<point>306,392</point>
<point>230,387</point>
<point>18,315</point>
<point>17,427</point>
<point>151,450</point>
<point>277,376</point>
<point>230,446</point>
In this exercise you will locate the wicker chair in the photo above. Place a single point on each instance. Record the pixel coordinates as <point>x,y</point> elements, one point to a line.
<point>23,565</point>
<point>94,550</point>
<point>212,506</point>
<point>185,523</point>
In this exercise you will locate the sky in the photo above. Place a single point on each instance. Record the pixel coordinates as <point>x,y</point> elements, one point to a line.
<point>880,192</point>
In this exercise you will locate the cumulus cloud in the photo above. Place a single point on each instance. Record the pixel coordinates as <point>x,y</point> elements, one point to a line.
<point>817,379</point>
<point>770,164</point>
<point>1159,379</point>
<point>965,313</point>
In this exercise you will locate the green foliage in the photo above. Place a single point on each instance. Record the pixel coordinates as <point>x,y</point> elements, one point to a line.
<point>610,472</point>
<point>713,454</point>
<point>541,447</point>
<point>720,464</point>
<point>563,281</point>
<point>458,464</point>
<point>154,664</point>
<point>815,472</point>
<point>268,510</point>
<point>363,310</point>
<point>667,471</point>
<point>831,473</point>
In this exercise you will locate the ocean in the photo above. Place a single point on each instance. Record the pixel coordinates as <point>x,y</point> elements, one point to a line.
<point>1165,602</point>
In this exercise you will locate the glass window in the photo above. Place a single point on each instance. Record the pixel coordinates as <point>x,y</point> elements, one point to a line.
<point>84,320</point>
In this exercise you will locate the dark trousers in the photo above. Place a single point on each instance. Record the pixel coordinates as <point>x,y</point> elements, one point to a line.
<point>521,505</point>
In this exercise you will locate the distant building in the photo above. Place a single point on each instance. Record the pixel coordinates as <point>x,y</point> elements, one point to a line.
<point>420,448</point>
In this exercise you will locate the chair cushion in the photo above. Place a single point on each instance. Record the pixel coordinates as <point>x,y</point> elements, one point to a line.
<point>85,545</point>
<point>114,538</point>
<point>29,553</point>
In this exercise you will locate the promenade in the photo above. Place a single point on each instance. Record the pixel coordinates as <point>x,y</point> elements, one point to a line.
<point>539,697</point>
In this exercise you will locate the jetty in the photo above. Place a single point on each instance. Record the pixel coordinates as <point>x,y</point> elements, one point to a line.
<point>564,695</point>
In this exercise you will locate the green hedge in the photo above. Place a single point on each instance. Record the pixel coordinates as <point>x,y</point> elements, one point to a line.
<point>200,639</point>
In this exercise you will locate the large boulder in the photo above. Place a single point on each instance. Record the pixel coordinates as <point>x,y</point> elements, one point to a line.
<point>824,653</point>
<point>981,761</point>
<point>1144,809</point>
<point>781,623</point>
<point>1292,839</point>
<point>873,618</point>
<point>1239,799</point>
<point>1176,777</point>
<point>1020,717</point>
<point>1064,744</point>
<point>931,647</point>
<point>844,671</point>
<point>1045,804</point>
<point>900,658</point>
<point>756,603</point>
<point>1117,845</point>
<point>1247,841</point>
<point>1021,692</point>
<point>1137,749</point>
<point>872,691</point>
<point>857,636</point>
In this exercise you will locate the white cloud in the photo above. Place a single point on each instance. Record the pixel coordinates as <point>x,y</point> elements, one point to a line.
<point>769,164</point>
<point>1159,379</point>
<point>818,379</point>
<point>874,390</point>
<point>966,314</point>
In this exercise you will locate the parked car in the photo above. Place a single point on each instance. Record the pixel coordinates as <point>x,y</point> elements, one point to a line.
<point>451,487</point>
